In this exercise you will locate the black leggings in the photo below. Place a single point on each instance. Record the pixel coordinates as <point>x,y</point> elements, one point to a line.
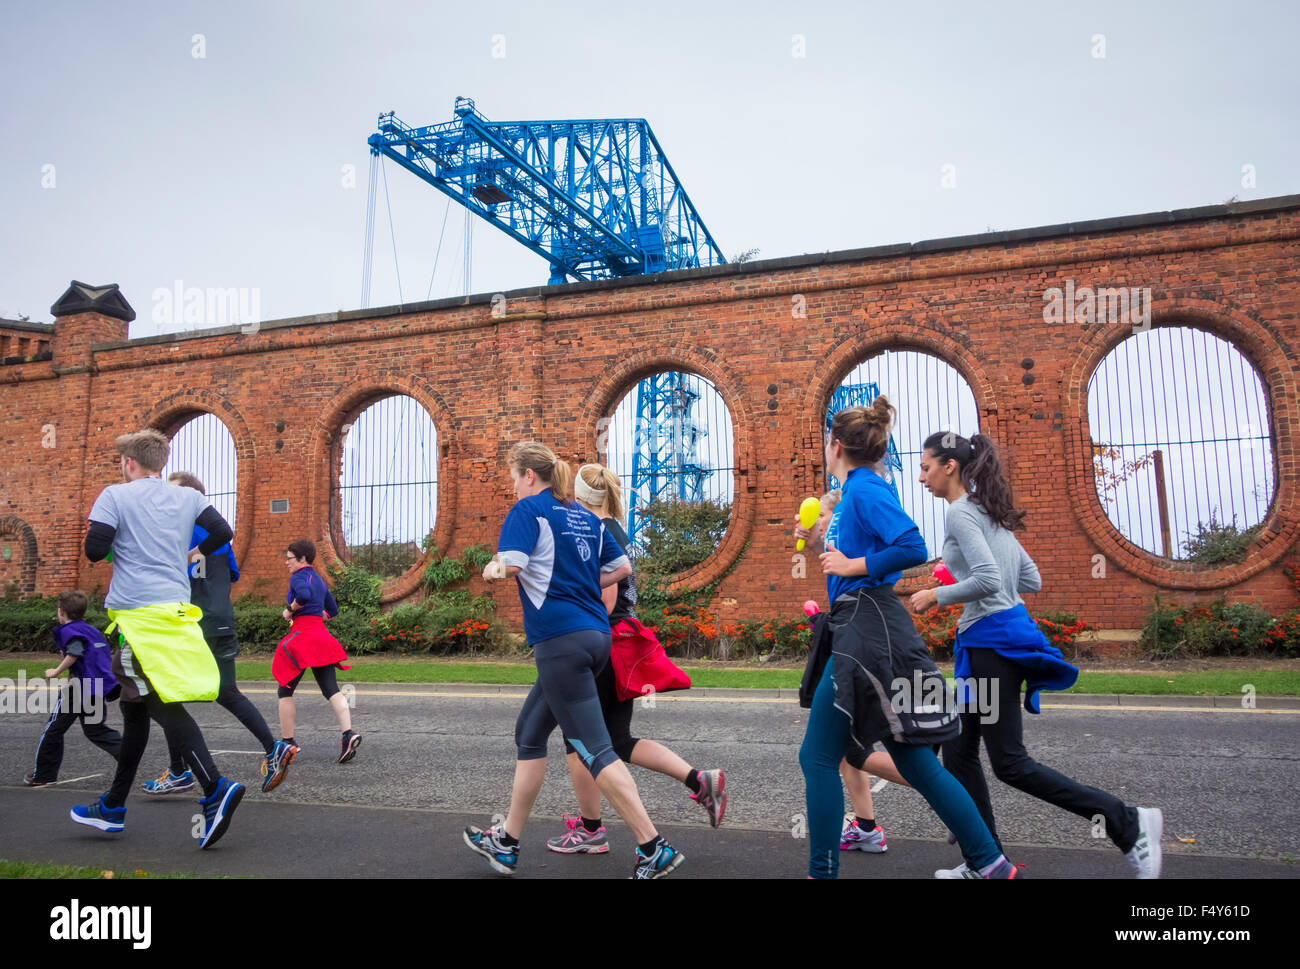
<point>617,714</point>
<point>182,734</point>
<point>1011,762</point>
<point>565,692</point>
<point>325,679</point>
<point>238,704</point>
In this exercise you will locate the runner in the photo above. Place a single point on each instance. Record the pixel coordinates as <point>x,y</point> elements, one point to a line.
<point>601,493</point>
<point>161,661</point>
<point>861,832</point>
<point>999,647</point>
<point>87,655</point>
<point>866,692</point>
<point>561,559</point>
<point>210,581</point>
<point>309,646</point>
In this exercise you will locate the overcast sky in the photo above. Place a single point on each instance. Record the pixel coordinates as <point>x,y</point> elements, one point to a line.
<point>227,169</point>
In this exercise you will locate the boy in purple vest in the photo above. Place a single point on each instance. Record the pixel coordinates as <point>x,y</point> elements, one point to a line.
<point>91,687</point>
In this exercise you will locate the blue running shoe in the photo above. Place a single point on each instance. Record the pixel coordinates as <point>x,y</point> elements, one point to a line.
<point>170,783</point>
<point>275,766</point>
<point>218,809</point>
<point>501,857</point>
<point>101,816</point>
<point>664,860</point>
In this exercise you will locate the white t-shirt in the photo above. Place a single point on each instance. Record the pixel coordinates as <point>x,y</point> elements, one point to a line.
<point>154,522</point>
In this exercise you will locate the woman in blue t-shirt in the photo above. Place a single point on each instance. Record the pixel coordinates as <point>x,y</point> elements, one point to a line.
<point>880,683</point>
<point>561,558</point>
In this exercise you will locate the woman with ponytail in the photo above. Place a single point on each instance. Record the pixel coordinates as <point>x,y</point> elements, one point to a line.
<point>561,558</point>
<point>879,683</point>
<point>999,647</point>
<point>601,493</point>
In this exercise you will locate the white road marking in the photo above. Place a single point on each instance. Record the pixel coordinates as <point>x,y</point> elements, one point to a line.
<point>73,780</point>
<point>875,788</point>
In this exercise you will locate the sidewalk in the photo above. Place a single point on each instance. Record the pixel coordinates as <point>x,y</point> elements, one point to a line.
<point>270,840</point>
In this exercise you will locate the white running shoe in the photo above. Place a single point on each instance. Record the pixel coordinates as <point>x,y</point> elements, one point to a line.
<point>1146,856</point>
<point>961,871</point>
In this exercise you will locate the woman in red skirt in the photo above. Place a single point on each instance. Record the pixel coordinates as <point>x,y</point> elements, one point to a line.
<point>309,646</point>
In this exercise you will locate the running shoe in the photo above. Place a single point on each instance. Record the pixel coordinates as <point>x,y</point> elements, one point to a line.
<point>1004,869</point>
<point>275,765</point>
<point>487,843</point>
<point>854,837</point>
<point>218,810</point>
<point>713,794</point>
<point>170,783</point>
<point>664,860</point>
<point>577,839</point>
<point>101,816</point>
<point>1146,855</point>
<point>348,746</point>
<point>961,871</point>
<point>31,781</point>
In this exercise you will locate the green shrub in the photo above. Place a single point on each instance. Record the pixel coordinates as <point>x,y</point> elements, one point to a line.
<point>356,589</point>
<point>1216,544</point>
<point>26,624</point>
<point>258,624</point>
<point>448,622</point>
<point>677,535</point>
<point>1219,629</point>
<point>384,559</point>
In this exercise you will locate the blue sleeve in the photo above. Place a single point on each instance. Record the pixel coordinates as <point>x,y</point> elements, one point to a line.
<point>891,523</point>
<point>904,545</point>
<point>196,539</point>
<point>518,535</point>
<point>299,587</point>
<point>906,551</point>
<point>331,607</point>
<point>234,569</point>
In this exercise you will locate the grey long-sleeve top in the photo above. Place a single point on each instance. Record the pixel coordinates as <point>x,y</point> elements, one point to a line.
<point>987,561</point>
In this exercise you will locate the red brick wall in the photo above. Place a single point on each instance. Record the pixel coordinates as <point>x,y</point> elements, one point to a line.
<point>562,357</point>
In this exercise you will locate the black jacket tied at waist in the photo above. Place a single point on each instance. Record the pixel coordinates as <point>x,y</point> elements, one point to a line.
<point>886,682</point>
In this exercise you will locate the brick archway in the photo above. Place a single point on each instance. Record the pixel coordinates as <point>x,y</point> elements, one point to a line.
<point>26,537</point>
<point>610,388</point>
<point>1256,341</point>
<point>326,437</point>
<point>171,413</point>
<point>857,348</point>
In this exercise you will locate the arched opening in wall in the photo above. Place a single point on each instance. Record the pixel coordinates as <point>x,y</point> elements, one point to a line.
<point>203,447</point>
<point>930,395</point>
<point>17,558</point>
<point>671,441</point>
<point>387,492</point>
<point>1182,456</point>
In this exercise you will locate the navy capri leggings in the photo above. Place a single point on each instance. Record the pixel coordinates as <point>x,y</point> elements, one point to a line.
<point>565,693</point>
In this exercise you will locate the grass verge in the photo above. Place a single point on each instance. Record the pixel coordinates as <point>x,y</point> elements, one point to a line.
<point>423,670</point>
<point>28,869</point>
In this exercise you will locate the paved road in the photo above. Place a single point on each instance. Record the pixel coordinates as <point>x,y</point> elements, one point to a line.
<point>435,757</point>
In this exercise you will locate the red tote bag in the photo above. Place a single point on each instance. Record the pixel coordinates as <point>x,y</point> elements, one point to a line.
<point>641,666</point>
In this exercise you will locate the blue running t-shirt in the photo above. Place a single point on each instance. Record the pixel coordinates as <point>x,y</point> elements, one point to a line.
<point>560,549</point>
<point>869,523</point>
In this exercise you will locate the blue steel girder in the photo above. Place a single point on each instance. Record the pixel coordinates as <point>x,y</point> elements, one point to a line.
<point>595,198</point>
<point>664,459</point>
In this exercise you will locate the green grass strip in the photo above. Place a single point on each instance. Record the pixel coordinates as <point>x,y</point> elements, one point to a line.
<point>426,670</point>
<point>27,869</point>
